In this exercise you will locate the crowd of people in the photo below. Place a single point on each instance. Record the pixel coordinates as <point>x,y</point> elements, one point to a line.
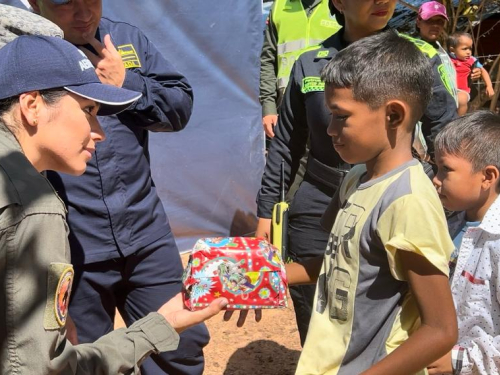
<point>390,272</point>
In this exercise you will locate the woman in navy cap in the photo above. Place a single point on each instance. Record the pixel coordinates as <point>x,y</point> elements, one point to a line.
<point>50,96</point>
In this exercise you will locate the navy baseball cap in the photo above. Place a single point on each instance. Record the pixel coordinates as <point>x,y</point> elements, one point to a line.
<point>32,63</point>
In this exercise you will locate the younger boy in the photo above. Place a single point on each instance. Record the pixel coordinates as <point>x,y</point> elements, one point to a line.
<point>468,161</point>
<point>460,48</point>
<point>389,246</point>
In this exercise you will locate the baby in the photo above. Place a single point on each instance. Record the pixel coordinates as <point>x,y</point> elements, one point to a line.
<point>460,49</point>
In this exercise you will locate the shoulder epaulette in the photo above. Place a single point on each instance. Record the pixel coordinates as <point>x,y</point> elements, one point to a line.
<point>422,45</point>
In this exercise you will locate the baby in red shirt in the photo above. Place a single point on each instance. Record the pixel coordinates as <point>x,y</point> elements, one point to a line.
<point>460,49</point>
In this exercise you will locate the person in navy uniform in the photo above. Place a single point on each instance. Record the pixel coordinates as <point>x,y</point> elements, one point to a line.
<point>122,247</point>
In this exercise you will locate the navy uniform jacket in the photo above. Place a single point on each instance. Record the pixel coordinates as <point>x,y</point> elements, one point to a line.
<point>303,112</point>
<point>114,209</point>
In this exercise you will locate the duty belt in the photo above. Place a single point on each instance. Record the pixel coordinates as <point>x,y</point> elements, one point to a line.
<point>324,174</point>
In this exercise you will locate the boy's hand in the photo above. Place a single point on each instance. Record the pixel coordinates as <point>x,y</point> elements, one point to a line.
<point>489,91</point>
<point>180,318</point>
<point>243,316</point>
<point>441,366</point>
<point>264,229</point>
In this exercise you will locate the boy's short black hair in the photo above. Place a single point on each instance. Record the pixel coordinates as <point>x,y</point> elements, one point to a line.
<point>382,67</point>
<point>454,38</point>
<point>474,137</point>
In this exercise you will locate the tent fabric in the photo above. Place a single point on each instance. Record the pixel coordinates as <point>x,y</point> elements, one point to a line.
<point>208,174</point>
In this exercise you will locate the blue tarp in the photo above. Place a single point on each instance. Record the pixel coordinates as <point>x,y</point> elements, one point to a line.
<point>208,174</point>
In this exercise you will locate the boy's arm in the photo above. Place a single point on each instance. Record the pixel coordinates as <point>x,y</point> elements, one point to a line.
<point>438,330</point>
<point>487,81</point>
<point>306,272</point>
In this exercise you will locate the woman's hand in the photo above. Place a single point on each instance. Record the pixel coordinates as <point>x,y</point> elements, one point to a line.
<point>180,318</point>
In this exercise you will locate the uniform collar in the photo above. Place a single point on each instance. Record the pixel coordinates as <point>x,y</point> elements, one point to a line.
<point>338,42</point>
<point>8,139</point>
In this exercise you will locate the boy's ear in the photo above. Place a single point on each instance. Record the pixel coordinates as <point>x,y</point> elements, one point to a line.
<point>491,174</point>
<point>396,113</point>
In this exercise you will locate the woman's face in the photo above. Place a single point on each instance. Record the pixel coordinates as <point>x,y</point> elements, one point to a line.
<point>367,16</point>
<point>67,134</point>
<point>431,29</point>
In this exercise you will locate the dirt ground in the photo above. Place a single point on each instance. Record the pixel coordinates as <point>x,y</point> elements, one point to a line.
<point>271,346</point>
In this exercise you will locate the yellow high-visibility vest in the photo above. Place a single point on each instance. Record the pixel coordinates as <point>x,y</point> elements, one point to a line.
<point>298,33</point>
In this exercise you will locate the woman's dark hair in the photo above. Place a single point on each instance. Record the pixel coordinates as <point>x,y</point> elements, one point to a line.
<point>49,96</point>
<point>335,12</point>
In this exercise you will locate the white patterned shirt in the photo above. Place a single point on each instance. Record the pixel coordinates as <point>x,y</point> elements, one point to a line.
<point>475,288</point>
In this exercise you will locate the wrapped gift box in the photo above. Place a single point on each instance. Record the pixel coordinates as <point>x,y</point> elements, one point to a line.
<point>247,271</point>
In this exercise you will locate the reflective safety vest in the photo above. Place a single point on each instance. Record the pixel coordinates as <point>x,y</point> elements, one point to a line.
<point>298,33</point>
<point>446,69</point>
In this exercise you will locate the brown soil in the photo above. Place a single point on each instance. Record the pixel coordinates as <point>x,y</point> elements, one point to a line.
<point>271,346</point>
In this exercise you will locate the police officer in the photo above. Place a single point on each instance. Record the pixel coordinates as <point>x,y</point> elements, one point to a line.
<point>293,26</point>
<point>122,246</point>
<point>303,114</point>
<point>50,96</point>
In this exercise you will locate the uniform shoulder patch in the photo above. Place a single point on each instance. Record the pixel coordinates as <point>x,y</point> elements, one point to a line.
<point>312,84</point>
<point>422,45</point>
<point>59,284</point>
<point>322,54</point>
<point>129,56</point>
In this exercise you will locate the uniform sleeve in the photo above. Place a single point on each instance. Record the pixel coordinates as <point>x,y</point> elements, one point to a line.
<point>479,352</point>
<point>167,98</point>
<point>441,109</point>
<point>121,350</point>
<point>268,69</point>
<point>288,144</point>
<point>413,223</point>
<point>36,260</point>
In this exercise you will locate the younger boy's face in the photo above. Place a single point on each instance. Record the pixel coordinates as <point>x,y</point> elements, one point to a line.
<point>458,187</point>
<point>464,49</point>
<point>358,132</point>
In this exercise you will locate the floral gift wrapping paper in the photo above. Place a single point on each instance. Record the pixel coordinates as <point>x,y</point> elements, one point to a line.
<point>248,271</point>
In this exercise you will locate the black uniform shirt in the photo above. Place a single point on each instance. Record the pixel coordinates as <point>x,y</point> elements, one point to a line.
<point>303,113</point>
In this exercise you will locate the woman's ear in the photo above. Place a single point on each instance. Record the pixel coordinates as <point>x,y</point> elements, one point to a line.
<point>396,113</point>
<point>419,20</point>
<point>30,105</point>
<point>490,177</point>
<point>338,4</point>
